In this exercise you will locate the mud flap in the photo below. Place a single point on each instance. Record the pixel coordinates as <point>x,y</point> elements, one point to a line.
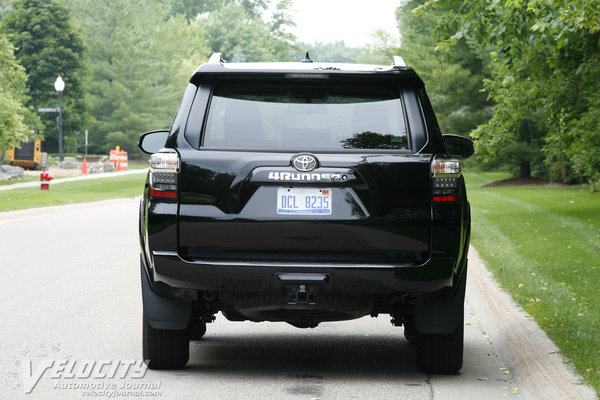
<point>160,312</point>
<point>442,318</point>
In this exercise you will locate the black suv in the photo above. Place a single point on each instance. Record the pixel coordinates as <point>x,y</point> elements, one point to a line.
<point>304,192</point>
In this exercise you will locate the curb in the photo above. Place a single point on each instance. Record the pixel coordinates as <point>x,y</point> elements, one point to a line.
<point>534,361</point>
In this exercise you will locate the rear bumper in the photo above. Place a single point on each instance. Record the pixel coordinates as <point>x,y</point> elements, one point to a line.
<point>254,277</point>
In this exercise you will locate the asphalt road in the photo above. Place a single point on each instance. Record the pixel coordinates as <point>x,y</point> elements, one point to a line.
<point>70,327</point>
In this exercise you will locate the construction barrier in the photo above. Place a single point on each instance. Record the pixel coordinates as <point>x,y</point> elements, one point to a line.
<point>118,158</point>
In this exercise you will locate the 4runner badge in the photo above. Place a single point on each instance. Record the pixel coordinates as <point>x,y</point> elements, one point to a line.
<point>304,162</point>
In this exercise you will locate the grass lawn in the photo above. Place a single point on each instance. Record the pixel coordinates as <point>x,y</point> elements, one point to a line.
<point>22,180</point>
<point>543,246</point>
<point>137,164</point>
<point>73,192</point>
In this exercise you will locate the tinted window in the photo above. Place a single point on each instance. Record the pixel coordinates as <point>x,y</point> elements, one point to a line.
<point>297,117</point>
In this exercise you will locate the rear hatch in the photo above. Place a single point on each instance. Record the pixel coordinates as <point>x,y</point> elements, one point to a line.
<point>304,173</point>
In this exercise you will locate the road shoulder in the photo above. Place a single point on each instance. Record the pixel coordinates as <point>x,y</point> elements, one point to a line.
<point>525,353</point>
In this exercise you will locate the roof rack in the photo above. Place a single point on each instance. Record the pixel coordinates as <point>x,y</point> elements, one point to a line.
<point>216,58</point>
<point>399,62</point>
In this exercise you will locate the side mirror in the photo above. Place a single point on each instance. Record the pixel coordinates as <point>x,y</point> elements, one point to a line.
<point>458,146</point>
<point>151,142</point>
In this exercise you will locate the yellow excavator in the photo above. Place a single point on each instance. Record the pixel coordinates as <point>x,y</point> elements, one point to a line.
<point>28,155</point>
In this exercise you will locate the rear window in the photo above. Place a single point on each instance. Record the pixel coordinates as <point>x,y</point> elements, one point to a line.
<point>298,116</point>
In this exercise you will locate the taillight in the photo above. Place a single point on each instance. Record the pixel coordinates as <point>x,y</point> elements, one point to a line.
<point>163,175</point>
<point>446,173</point>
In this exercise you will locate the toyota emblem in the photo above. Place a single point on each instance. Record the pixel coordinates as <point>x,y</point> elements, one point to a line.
<point>304,162</point>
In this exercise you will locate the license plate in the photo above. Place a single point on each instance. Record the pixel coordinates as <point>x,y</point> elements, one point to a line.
<point>304,201</point>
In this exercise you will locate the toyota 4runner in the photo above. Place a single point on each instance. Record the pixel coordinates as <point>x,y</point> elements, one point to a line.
<point>304,192</point>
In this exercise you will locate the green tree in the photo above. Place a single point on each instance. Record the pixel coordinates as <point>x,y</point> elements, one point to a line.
<point>453,83</point>
<point>16,122</point>
<point>381,50</point>
<point>243,36</point>
<point>329,52</point>
<point>5,7</point>
<point>48,45</point>
<point>283,42</point>
<point>140,58</point>
<point>190,8</point>
<point>525,154</point>
<point>546,62</point>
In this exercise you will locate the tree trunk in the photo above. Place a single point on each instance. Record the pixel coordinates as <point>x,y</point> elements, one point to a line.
<point>525,170</point>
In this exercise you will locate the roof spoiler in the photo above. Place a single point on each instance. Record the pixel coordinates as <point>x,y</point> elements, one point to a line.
<point>217,58</point>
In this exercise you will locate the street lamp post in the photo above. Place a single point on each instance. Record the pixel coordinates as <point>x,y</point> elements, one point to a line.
<point>59,85</point>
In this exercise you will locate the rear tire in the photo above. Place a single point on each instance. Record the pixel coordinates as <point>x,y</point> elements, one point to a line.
<point>410,333</point>
<point>164,348</point>
<point>441,354</point>
<point>197,329</point>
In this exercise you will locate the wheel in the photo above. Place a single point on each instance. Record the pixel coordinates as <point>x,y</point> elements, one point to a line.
<point>410,333</point>
<point>441,354</point>
<point>165,349</point>
<point>197,329</point>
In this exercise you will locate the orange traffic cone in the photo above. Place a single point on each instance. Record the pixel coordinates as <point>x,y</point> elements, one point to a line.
<point>118,165</point>
<point>84,167</point>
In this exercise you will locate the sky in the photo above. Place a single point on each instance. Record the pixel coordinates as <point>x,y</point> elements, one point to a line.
<point>349,20</point>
